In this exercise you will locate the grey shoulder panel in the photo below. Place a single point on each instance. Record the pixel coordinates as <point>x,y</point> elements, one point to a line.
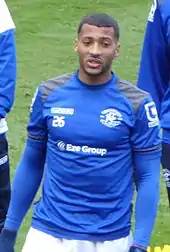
<point>132,93</point>
<point>51,84</point>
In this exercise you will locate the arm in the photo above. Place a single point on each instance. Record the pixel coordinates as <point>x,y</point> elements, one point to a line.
<point>7,60</point>
<point>154,64</point>
<point>28,174</point>
<point>147,182</point>
<point>30,170</point>
<point>146,143</point>
<point>26,183</point>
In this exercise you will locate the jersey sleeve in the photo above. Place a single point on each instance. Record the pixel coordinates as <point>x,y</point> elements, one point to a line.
<point>165,15</point>
<point>8,65</point>
<point>146,134</point>
<point>36,128</point>
<point>154,69</point>
<point>146,144</point>
<point>8,71</point>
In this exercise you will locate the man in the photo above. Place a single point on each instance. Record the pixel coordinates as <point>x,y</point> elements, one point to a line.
<point>154,73</point>
<point>94,133</point>
<point>7,89</point>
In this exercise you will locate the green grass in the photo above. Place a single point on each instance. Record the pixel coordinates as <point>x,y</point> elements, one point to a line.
<point>45,33</point>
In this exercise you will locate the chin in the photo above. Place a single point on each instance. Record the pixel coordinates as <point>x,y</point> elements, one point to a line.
<point>94,72</point>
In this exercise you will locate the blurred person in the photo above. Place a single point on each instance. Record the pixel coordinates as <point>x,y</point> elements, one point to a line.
<point>7,91</point>
<point>154,73</point>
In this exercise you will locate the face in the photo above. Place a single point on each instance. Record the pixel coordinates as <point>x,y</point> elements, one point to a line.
<point>97,47</point>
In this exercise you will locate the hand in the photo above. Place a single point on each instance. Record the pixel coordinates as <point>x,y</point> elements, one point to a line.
<point>137,249</point>
<point>7,240</point>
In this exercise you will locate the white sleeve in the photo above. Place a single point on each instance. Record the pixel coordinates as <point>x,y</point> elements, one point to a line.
<point>6,22</point>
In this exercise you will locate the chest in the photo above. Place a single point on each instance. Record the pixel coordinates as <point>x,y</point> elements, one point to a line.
<point>97,120</point>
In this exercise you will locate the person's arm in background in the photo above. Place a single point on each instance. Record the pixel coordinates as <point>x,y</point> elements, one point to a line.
<point>7,60</point>
<point>28,175</point>
<point>154,73</point>
<point>154,70</point>
<point>7,91</point>
<point>165,115</point>
<point>146,143</point>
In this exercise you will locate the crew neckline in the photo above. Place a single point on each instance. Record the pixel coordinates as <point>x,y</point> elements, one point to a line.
<point>96,86</point>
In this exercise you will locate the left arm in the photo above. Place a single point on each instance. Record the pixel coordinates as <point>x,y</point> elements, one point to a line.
<point>146,156</point>
<point>147,174</point>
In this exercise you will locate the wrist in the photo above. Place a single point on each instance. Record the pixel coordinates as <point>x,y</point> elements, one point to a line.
<point>136,248</point>
<point>7,240</point>
<point>11,234</point>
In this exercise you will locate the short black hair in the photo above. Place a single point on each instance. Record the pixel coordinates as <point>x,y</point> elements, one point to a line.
<point>100,20</point>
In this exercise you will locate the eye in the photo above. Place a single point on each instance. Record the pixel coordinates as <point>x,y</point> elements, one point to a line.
<point>86,43</point>
<point>106,44</point>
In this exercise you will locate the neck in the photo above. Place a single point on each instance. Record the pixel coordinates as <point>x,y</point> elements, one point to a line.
<point>94,79</point>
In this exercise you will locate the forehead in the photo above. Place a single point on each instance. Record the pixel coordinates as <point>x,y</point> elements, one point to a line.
<point>95,31</point>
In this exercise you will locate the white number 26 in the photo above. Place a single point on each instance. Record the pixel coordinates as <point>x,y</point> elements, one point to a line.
<point>58,121</point>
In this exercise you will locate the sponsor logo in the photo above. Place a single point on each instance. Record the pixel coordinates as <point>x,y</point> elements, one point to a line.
<point>64,111</point>
<point>151,114</point>
<point>77,148</point>
<point>152,11</point>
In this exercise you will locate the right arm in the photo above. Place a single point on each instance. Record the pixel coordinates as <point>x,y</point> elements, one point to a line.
<point>26,183</point>
<point>28,174</point>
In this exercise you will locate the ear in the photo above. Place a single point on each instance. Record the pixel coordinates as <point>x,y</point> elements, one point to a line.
<point>117,51</point>
<point>75,45</point>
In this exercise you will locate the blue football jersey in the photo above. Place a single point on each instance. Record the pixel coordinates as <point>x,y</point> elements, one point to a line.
<point>154,72</point>
<point>91,134</point>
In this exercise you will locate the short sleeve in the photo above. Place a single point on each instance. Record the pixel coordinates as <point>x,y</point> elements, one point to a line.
<point>36,127</point>
<point>146,133</point>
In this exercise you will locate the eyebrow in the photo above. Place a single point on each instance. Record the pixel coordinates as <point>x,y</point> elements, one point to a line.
<point>89,37</point>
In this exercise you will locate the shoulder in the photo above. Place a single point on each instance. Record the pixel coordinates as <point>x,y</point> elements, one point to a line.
<point>134,95</point>
<point>48,86</point>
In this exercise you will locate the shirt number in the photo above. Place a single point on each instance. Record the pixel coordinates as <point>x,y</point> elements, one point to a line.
<point>58,121</point>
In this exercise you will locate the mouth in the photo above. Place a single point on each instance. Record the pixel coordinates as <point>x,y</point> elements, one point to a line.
<point>94,63</point>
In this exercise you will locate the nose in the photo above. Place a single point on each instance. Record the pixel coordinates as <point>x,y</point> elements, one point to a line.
<point>95,49</point>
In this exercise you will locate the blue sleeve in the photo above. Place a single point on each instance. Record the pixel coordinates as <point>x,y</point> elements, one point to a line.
<point>37,128</point>
<point>146,142</point>
<point>146,131</point>
<point>147,177</point>
<point>30,169</point>
<point>25,185</point>
<point>154,70</point>
<point>7,71</point>
<point>165,15</point>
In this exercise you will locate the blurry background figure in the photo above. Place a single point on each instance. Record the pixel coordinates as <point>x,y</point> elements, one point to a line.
<point>7,91</point>
<point>154,73</point>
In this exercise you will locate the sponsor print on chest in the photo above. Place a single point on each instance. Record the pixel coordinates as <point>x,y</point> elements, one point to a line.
<point>94,131</point>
